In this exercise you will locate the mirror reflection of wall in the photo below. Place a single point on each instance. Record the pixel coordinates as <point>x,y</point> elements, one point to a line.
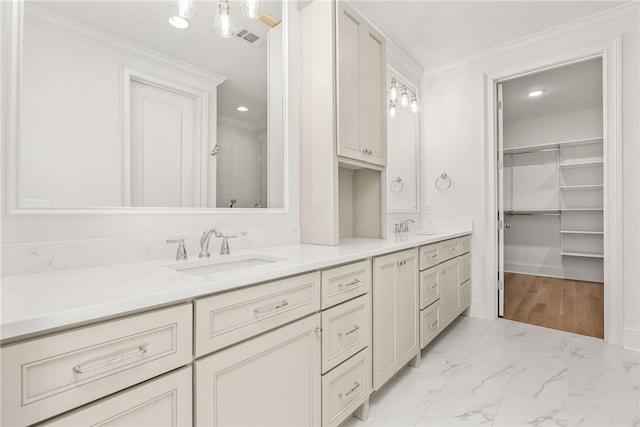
<point>118,108</point>
<point>402,152</point>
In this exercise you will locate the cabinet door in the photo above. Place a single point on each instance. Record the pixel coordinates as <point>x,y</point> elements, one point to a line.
<point>165,401</point>
<point>349,119</point>
<point>271,380</point>
<point>448,291</point>
<point>395,313</point>
<point>374,76</point>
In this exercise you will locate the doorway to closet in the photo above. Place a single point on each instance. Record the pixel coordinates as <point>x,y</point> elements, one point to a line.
<point>550,190</point>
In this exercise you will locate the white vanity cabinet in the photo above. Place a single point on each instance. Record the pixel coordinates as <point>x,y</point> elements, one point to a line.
<point>395,313</point>
<point>46,376</point>
<point>445,285</point>
<point>270,380</point>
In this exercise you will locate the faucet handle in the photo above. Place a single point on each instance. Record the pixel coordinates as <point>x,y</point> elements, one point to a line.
<point>181,253</point>
<point>224,248</point>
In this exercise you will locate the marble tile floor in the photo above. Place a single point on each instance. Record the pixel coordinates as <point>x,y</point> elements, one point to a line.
<point>505,373</point>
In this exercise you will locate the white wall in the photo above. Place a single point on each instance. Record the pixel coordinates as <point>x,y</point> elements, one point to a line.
<point>455,142</point>
<point>33,241</point>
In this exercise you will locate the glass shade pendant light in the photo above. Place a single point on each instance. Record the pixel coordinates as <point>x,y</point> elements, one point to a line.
<point>181,11</point>
<point>393,91</point>
<point>392,108</point>
<point>251,8</point>
<point>404,98</point>
<point>414,103</point>
<point>223,20</point>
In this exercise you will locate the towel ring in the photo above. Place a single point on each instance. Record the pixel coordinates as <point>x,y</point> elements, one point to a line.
<point>443,182</point>
<point>396,185</point>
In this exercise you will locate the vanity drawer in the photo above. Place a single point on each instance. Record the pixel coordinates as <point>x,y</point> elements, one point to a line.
<point>449,249</point>
<point>47,376</point>
<point>429,256</point>
<point>429,286</point>
<point>346,388</point>
<point>345,282</point>
<point>464,268</point>
<point>465,244</point>
<point>346,329</point>
<point>429,323</point>
<point>465,295</point>
<point>165,401</point>
<point>225,319</point>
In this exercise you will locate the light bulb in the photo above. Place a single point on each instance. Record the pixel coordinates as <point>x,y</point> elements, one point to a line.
<point>223,20</point>
<point>251,8</point>
<point>414,104</point>
<point>393,91</point>
<point>179,22</point>
<point>183,8</point>
<point>392,109</point>
<point>404,98</point>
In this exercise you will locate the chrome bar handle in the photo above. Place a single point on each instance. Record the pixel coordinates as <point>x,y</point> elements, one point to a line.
<point>80,369</point>
<point>435,285</point>
<point>433,256</point>
<point>435,322</point>
<point>268,308</point>
<point>354,388</point>
<point>355,328</point>
<point>346,285</point>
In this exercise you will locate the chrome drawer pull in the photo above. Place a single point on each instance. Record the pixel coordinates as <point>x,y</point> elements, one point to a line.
<point>80,369</point>
<point>435,285</point>
<point>268,308</point>
<point>345,285</point>
<point>433,256</point>
<point>451,250</point>
<point>355,387</point>
<point>435,322</point>
<point>355,328</point>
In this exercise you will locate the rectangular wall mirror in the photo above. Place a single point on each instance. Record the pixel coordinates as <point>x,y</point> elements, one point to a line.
<point>118,108</point>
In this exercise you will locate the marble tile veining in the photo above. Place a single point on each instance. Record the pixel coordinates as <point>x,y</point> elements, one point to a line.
<point>504,373</point>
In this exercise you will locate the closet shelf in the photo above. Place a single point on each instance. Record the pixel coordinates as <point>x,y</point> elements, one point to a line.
<point>582,254</point>
<point>581,164</point>
<point>540,147</point>
<point>582,187</point>
<point>597,233</point>
<point>532,212</point>
<point>582,209</point>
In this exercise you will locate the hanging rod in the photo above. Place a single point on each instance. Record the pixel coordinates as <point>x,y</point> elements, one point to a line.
<point>547,213</point>
<point>532,151</point>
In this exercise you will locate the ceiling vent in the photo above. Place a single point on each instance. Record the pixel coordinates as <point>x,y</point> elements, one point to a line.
<point>249,38</point>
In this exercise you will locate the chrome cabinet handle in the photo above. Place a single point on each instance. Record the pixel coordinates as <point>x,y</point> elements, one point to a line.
<point>402,262</point>
<point>318,331</point>
<point>452,250</point>
<point>345,285</point>
<point>354,388</point>
<point>355,328</point>
<point>435,285</point>
<point>435,322</point>
<point>433,256</point>
<point>268,308</point>
<point>83,369</point>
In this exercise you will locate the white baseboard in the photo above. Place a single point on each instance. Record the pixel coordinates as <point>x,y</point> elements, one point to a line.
<point>592,275</point>
<point>631,339</point>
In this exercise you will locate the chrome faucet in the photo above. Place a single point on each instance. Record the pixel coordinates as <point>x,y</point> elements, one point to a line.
<point>204,242</point>
<point>182,250</point>
<point>224,248</point>
<point>403,227</point>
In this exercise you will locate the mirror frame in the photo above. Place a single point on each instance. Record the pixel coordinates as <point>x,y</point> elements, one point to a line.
<point>12,18</point>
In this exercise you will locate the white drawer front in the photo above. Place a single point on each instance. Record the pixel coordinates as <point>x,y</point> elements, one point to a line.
<point>465,295</point>
<point>429,255</point>
<point>346,388</point>
<point>429,323</point>
<point>346,329</point>
<point>465,244</point>
<point>429,286</point>
<point>345,282</point>
<point>50,375</point>
<point>449,249</point>
<point>162,402</point>
<point>225,319</point>
<point>464,268</point>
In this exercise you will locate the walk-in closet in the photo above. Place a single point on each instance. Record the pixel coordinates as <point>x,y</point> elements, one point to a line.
<point>552,198</point>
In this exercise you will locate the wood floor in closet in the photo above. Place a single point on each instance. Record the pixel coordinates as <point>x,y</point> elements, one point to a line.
<point>569,305</point>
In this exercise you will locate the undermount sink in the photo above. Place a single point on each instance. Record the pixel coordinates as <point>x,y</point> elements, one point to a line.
<point>425,233</point>
<point>216,265</point>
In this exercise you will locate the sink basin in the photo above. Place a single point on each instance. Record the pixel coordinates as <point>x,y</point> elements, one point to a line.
<point>425,233</point>
<point>217,265</point>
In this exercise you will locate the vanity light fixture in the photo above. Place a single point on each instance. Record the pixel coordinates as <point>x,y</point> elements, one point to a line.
<point>535,93</point>
<point>223,19</point>
<point>251,8</point>
<point>408,97</point>
<point>179,22</point>
<point>242,109</point>
<point>181,12</point>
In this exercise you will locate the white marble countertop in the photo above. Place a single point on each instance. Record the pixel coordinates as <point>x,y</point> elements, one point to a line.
<point>35,303</point>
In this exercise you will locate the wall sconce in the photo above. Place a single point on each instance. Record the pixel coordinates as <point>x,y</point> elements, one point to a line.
<point>407,97</point>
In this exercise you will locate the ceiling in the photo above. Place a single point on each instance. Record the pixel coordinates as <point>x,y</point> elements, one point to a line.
<point>145,23</point>
<point>572,87</point>
<point>436,33</point>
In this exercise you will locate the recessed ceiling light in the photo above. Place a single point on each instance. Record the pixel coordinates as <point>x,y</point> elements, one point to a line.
<point>179,22</point>
<point>535,93</point>
<point>242,109</point>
